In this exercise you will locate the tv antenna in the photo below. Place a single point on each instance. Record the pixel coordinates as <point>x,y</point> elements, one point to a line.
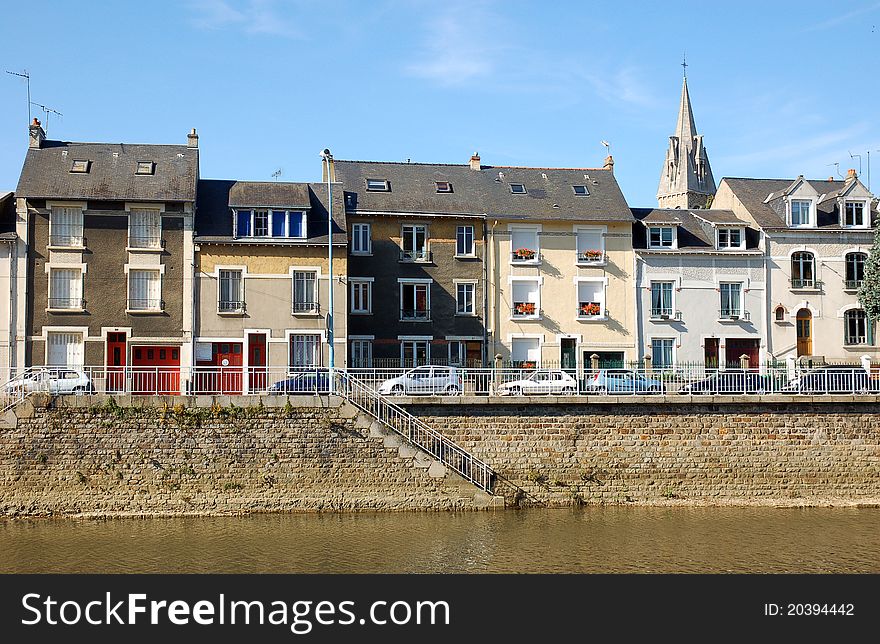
<point>853,156</point>
<point>47,111</point>
<point>277,173</point>
<point>837,169</point>
<point>27,78</point>
<point>607,147</point>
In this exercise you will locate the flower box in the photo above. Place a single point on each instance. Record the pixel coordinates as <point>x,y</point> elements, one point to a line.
<point>524,308</point>
<point>592,255</point>
<point>589,309</point>
<point>524,254</point>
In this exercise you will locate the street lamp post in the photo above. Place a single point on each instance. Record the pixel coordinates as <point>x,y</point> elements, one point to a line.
<point>327,157</point>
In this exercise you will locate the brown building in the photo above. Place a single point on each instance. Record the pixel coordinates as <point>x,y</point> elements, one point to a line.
<point>108,228</point>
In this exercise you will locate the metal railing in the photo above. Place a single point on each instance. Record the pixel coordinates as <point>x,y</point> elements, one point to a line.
<point>416,256</point>
<point>145,304</point>
<point>67,303</point>
<point>591,257</point>
<point>417,432</point>
<point>422,315</point>
<point>734,314</point>
<point>852,285</point>
<point>67,241</point>
<point>797,282</point>
<point>146,242</point>
<point>665,314</point>
<point>306,307</point>
<point>231,307</point>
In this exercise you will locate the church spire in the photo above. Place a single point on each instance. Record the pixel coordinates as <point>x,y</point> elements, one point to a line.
<point>686,180</point>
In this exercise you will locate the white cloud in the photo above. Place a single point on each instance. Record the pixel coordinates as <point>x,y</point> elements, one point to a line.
<point>827,24</point>
<point>621,86</point>
<point>254,17</point>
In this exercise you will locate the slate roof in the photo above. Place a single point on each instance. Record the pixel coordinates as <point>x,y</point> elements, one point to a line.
<point>111,176</point>
<point>254,194</point>
<point>753,193</point>
<point>213,220</point>
<point>484,192</point>
<point>695,232</point>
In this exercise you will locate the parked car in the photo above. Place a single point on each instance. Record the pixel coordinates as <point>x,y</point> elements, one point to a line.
<point>307,382</point>
<point>543,381</point>
<point>833,380</point>
<point>732,381</point>
<point>622,381</point>
<point>61,380</point>
<point>427,379</point>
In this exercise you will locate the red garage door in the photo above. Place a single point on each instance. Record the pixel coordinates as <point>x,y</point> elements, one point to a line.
<point>155,370</point>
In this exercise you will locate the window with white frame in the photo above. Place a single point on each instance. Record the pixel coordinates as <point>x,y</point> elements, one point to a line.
<point>378,185</point>
<point>730,238</point>
<point>661,237</point>
<point>305,350</point>
<point>361,296</point>
<point>230,294</point>
<point>525,352</point>
<point>590,245</point>
<point>854,214</point>
<point>731,300</point>
<point>64,349</point>
<point>361,239</point>
<point>415,242</point>
<point>464,298</point>
<point>591,299</point>
<point>361,354</point>
<point>144,228</point>
<point>305,292</point>
<point>524,244</point>
<point>65,288</point>
<point>662,349</point>
<point>855,269</point>
<point>66,227</point>
<point>526,298</point>
<point>414,353</point>
<point>464,241</point>
<point>855,325</point>
<point>661,299</point>
<point>274,223</point>
<point>801,212</point>
<point>415,301</point>
<point>144,290</point>
<point>803,270</point>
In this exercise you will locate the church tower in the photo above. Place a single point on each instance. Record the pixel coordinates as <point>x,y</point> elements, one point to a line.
<point>686,180</point>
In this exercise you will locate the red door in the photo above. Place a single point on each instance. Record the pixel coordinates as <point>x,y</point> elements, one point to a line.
<point>257,361</point>
<point>737,347</point>
<point>115,362</point>
<point>155,370</point>
<point>227,360</point>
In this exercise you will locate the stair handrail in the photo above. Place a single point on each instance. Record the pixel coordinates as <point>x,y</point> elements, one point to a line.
<point>20,394</point>
<point>417,432</point>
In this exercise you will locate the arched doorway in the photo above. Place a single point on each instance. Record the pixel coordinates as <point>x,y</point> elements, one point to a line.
<point>804,333</point>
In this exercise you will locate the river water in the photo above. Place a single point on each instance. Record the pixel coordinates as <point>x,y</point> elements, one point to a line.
<point>595,539</point>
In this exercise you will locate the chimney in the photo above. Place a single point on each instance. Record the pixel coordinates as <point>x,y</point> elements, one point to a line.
<point>475,161</point>
<point>192,139</point>
<point>830,178</point>
<point>328,168</point>
<point>609,164</point>
<point>851,174</point>
<point>37,135</point>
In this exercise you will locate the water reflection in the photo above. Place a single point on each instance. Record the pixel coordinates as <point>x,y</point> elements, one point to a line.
<point>611,539</point>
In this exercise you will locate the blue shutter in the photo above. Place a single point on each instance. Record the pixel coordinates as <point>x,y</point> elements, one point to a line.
<point>277,223</point>
<point>295,224</point>
<point>244,223</point>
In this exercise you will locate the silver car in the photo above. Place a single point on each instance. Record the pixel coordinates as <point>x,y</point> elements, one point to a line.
<point>543,381</point>
<point>60,380</point>
<point>428,379</point>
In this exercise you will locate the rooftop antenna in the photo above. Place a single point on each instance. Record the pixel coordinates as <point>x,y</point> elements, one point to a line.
<point>837,169</point>
<point>47,111</point>
<point>277,173</point>
<point>607,147</point>
<point>27,77</point>
<point>853,156</point>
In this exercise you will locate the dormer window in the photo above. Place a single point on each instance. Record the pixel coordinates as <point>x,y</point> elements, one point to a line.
<point>443,186</point>
<point>661,237</point>
<point>730,238</point>
<point>517,188</point>
<point>145,167</point>
<point>80,166</point>
<point>854,214</point>
<point>379,185</point>
<point>289,224</point>
<point>801,212</point>
<point>581,191</point>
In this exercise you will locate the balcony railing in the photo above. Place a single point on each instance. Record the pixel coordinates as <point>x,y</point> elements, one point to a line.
<point>523,255</point>
<point>852,285</point>
<point>665,314</point>
<point>858,338</point>
<point>67,241</point>
<point>67,303</point>
<point>416,256</point>
<point>147,242</point>
<point>145,304</point>
<point>306,307</point>
<point>421,315</point>
<point>591,257</point>
<point>799,282</point>
<point>231,307</point>
<point>733,314</point>
<point>525,310</point>
<point>588,310</point>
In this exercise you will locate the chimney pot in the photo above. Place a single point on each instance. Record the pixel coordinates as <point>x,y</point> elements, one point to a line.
<point>609,164</point>
<point>192,139</point>
<point>36,134</point>
<point>851,173</point>
<point>475,161</point>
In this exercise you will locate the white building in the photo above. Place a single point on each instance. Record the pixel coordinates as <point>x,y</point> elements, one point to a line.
<point>8,253</point>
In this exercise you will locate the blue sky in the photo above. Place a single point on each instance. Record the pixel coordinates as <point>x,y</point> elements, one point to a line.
<point>778,88</point>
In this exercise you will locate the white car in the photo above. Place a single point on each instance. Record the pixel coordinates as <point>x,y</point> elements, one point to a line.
<point>60,380</point>
<point>427,379</point>
<point>543,381</point>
